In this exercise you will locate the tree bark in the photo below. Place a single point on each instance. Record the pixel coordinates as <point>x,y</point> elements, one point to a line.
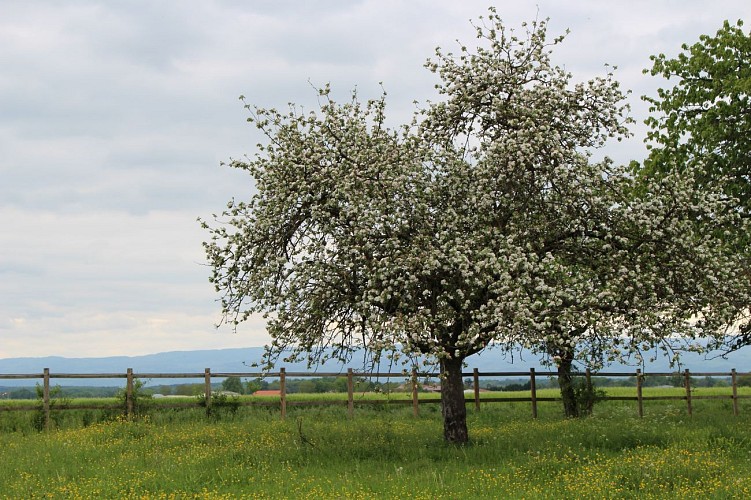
<point>566,383</point>
<point>453,409</point>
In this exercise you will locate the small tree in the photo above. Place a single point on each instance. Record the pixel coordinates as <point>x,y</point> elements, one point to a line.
<point>141,399</point>
<point>744,381</point>
<point>256,384</point>
<point>233,384</point>
<point>57,400</point>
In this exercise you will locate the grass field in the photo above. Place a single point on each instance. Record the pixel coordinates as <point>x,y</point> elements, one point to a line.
<point>385,452</point>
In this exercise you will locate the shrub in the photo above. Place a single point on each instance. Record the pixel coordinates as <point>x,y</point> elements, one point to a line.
<point>142,401</point>
<point>222,405</point>
<point>57,401</point>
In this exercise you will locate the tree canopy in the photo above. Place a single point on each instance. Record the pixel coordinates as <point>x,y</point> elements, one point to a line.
<point>703,124</point>
<point>484,222</point>
<point>704,118</point>
<point>233,384</point>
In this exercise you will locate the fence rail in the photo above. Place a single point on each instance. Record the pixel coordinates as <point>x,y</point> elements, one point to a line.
<point>415,401</point>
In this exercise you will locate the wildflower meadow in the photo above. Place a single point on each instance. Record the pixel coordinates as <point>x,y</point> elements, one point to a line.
<point>386,452</point>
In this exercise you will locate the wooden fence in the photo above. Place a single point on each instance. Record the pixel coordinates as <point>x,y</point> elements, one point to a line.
<point>415,401</point>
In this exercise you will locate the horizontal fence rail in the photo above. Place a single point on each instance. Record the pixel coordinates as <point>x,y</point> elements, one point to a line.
<point>413,377</point>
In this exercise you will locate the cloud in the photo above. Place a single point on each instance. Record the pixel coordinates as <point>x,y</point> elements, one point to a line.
<point>107,283</point>
<point>115,116</point>
<point>89,333</point>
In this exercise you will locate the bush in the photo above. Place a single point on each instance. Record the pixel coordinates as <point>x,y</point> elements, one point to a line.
<point>222,405</point>
<point>142,401</point>
<point>586,395</point>
<point>57,401</point>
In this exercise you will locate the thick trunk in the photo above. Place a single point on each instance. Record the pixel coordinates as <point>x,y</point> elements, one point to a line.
<point>566,383</point>
<point>452,402</point>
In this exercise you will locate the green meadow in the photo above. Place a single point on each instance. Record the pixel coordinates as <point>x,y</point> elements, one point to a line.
<point>385,452</point>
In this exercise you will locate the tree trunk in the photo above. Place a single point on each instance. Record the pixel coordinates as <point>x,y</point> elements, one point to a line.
<point>566,383</point>
<point>452,402</point>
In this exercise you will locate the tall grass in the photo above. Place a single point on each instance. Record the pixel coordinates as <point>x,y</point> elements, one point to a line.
<point>385,452</point>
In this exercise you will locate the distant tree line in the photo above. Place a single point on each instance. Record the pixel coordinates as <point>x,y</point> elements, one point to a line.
<point>676,380</point>
<point>293,385</point>
<point>30,392</point>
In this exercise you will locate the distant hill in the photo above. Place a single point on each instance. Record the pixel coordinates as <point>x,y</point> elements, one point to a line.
<point>240,360</point>
<point>166,362</point>
<point>219,360</point>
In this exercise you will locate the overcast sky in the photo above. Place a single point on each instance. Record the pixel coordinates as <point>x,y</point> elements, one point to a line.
<point>115,116</point>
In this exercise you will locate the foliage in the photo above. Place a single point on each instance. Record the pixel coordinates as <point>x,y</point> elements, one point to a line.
<point>57,401</point>
<point>517,387</point>
<point>703,123</point>
<point>331,384</point>
<point>254,385</point>
<point>140,399</point>
<point>704,118</point>
<point>233,384</point>
<point>484,222</point>
<point>586,395</point>
<point>17,393</point>
<point>744,380</point>
<point>222,405</point>
<point>29,392</point>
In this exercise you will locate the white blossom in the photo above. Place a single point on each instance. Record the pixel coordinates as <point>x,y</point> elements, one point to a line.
<point>483,222</point>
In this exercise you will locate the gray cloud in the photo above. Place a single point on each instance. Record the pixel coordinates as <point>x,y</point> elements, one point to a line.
<point>114,117</point>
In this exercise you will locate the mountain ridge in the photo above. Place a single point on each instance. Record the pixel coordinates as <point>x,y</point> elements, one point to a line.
<point>240,360</point>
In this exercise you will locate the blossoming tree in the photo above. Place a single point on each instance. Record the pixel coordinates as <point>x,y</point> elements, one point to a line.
<point>482,223</point>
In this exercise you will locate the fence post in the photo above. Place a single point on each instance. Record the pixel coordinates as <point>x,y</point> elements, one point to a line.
<point>735,391</point>
<point>476,386</point>
<point>533,391</point>
<point>639,400</point>
<point>350,394</point>
<point>129,393</point>
<point>283,391</point>
<point>46,398</point>
<point>415,404</point>
<point>687,382</point>
<point>207,389</point>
